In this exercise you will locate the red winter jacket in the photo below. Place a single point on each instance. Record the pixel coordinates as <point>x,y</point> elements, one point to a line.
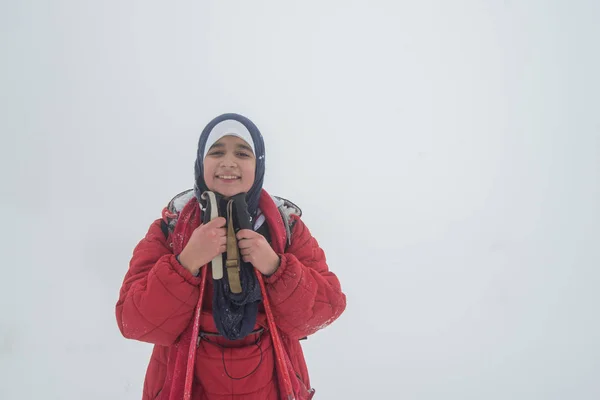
<point>159,300</point>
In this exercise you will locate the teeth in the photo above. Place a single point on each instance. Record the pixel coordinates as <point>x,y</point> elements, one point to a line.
<point>228,177</point>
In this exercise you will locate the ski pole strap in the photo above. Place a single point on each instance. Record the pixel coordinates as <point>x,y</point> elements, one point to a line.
<point>233,255</point>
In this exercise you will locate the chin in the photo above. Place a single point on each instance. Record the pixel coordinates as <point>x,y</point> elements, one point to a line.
<point>228,192</point>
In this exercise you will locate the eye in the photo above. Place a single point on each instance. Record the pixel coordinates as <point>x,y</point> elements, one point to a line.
<point>243,154</point>
<point>216,153</point>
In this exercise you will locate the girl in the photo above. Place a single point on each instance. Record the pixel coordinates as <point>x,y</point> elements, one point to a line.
<point>228,281</point>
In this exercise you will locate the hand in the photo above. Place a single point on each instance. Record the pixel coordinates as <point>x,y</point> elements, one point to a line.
<point>207,241</point>
<point>255,249</point>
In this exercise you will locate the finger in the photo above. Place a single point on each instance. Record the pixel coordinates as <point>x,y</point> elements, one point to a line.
<point>217,222</point>
<point>221,232</point>
<point>245,252</point>
<point>213,232</point>
<point>243,243</point>
<point>223,248</point>
<point>247,259</point>
<point>246,234</point>
<point>217,233</point>
<point>223,240</point>
<point>246,243</point>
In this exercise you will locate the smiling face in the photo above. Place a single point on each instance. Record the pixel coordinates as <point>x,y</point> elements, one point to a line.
<point>229,166</point>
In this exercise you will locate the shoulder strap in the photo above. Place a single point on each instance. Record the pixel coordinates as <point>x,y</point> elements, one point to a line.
<point>164,228</point>
<point>286,209</point>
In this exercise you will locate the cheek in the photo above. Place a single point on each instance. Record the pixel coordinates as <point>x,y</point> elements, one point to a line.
<point>208,171</point>
<point>249,171</point>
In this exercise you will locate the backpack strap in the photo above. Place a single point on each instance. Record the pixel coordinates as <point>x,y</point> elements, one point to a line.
<point>287,209</point>
<point>164,228</point>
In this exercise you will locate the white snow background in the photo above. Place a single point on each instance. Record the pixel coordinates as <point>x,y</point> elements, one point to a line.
<point>446,155</point>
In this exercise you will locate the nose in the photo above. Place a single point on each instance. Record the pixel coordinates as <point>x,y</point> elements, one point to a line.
<point>228,161</point>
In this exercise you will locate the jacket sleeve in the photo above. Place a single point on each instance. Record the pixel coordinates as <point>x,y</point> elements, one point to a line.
<point>158,296</point>
<point>304,295</point>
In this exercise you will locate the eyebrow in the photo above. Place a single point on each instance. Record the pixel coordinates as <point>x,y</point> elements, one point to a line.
<point>238,146</point>
<point>245,147</point>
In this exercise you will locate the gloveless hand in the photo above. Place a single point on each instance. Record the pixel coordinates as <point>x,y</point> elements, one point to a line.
<point>207,241</point>
<point>255,250</point>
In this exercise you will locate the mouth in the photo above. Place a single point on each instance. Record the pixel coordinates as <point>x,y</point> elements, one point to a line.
<point>228,178</point>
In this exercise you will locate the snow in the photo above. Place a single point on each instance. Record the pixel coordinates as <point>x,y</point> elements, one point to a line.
<point>180,201</point>
<point>444,154</point>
